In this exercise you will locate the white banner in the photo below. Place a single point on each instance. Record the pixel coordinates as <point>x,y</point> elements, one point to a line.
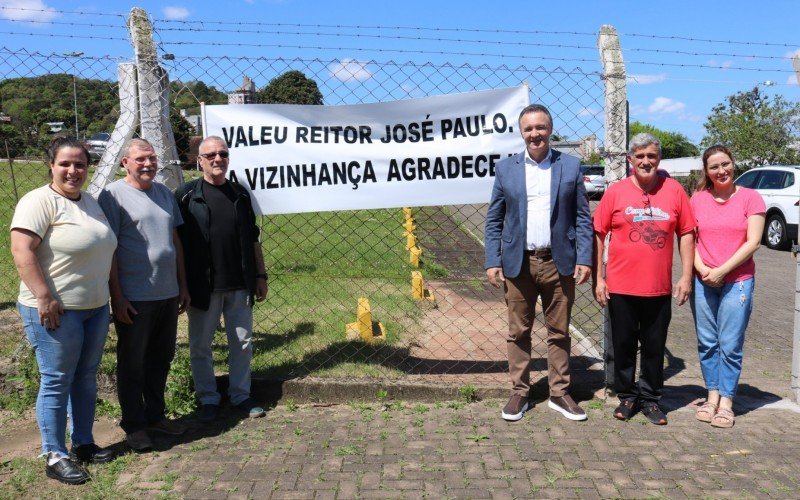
<point>431,151</point>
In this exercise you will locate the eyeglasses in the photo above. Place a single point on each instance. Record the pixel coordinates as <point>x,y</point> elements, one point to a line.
<point>646,202</point>
<point>211,156</point>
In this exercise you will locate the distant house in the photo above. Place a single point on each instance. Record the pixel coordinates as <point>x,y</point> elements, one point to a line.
<point>581,148</point>
<point>245,94</point>
<point>4,118</point>
<point>681,167</point>
<point>193,120</point>
<point>55,127</point>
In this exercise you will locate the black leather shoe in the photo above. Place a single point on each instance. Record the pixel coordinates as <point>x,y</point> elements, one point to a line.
<point>91,453</point>
<point>67,471</point>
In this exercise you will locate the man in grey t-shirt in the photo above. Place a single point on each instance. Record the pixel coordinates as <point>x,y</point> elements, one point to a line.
<point>148,291</point>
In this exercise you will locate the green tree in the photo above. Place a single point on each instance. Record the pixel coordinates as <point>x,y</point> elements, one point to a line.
<point>673,144</point>
<point>759,130</point>
<point>49,98</point>
<point>292,87</point>
<point>182,132</point>
<point>11,137</point>
<point>189,95</point>
<point>593,159</point>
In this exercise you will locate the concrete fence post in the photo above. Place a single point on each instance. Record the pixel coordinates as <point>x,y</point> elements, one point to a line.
<point>124,129</point>
<point>616,126</point>
<point>153,82</point>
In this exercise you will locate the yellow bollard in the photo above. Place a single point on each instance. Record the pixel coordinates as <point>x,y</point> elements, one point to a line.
<point>364,328</point>
<point>411,240</point>
<point>414,254</point>
<point>409,225</point>
<point>418,291</point>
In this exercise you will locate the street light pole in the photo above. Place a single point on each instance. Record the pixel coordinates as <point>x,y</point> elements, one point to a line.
<point>75,100</point>
<point>74,89</point>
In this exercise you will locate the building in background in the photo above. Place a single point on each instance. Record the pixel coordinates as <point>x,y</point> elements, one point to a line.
<point>245,94</point>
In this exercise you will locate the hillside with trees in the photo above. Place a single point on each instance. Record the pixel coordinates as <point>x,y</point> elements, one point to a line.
<point>32,102</point>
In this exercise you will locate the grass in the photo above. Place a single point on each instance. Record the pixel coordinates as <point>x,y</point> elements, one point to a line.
<point>25,478</point>
<point>319,265</point>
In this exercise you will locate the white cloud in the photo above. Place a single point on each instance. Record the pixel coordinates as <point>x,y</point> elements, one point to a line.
<point>349,70</point>
<point>646,79</point>
<point>175,13</point>
<point>27,10</point>
<point>792,80</point>
<point>665,105</point>
<point>590,112</point>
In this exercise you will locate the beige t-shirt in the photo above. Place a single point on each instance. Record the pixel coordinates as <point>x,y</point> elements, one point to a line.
<point>76,248</point>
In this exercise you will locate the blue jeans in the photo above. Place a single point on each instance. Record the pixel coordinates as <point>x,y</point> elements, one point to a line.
<point>721,316</point>
<point>235,308</point>
<point>68,358</point>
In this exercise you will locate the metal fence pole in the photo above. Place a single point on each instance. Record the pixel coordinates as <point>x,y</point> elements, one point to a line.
<point>616,97</point>
<point>796,340</point>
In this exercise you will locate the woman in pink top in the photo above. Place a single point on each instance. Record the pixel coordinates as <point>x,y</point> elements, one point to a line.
<point>730,222</point>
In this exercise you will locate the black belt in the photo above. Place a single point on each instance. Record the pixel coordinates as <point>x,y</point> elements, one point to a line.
<point>539,252</point>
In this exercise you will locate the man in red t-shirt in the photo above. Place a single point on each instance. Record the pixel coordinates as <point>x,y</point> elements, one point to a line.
<point>641,214</point>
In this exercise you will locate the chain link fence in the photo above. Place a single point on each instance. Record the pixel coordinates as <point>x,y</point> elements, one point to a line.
<point>320,264</point>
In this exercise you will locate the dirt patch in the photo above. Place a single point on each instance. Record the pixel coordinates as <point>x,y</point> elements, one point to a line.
<point>20,436</point>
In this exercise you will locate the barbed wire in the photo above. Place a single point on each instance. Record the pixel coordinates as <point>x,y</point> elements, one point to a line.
<point>460,53</point>
<point>396,27</point>
<point>467,40</point>
<point>88,25</point>
<point>57,11</point>
<point>469,30</point>
<point>60,35</point>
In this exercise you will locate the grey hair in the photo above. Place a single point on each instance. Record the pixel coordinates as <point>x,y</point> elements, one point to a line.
<point>137,142</point>
<point>212,138</point>
<point>642,140</point>
<point>536,108</point>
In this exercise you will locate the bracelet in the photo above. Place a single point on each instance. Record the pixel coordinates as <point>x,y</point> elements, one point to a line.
<point>262,276</point>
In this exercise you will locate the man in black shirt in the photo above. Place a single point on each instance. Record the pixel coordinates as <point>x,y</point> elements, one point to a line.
<point>225,274</point>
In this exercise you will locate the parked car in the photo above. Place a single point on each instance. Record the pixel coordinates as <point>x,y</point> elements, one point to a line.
<point>779,186</point>
<point>594,180</point>
<point>97,144</point>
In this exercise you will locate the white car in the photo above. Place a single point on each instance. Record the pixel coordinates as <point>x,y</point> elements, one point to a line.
<point>97,144</point>
<point>594,180</point>
<point>779,186</point>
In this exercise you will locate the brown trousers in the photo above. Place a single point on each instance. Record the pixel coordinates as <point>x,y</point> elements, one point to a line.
<point>539,278</point>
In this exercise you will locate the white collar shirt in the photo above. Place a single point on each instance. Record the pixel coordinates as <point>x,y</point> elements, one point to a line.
<point>537,187</point>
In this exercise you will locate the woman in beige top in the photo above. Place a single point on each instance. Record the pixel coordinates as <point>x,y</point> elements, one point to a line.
<point>62,247</point>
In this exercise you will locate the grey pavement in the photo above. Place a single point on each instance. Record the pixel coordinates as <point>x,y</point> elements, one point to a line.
<point>403,449</point>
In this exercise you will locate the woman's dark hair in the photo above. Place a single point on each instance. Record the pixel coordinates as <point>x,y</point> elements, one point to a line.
<point>64,142</point>
<point>705,183</point>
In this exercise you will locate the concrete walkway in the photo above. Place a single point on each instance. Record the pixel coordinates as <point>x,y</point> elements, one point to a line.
<point>456,450</point>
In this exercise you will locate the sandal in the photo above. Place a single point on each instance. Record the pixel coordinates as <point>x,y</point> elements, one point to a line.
<point>706,411</point>
<point>625,410</point>
<point>655,415</point>
<point>724,418</point>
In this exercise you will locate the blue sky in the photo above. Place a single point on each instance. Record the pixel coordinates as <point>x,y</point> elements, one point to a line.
<point>682,57</point>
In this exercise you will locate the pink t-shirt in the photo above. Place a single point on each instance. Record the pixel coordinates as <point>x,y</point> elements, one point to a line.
<point>722,228</point>
<point>643,228</point>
